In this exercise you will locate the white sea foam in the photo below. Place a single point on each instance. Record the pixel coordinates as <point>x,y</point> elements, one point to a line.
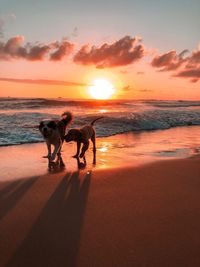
<point>19,117</point>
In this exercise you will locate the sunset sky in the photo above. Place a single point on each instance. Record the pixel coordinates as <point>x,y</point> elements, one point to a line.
<point>145,49</point>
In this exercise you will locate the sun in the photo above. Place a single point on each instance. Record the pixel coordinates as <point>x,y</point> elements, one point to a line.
<point>101,89</point>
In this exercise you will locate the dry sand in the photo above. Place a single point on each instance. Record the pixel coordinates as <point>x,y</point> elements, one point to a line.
<point>143,216</point>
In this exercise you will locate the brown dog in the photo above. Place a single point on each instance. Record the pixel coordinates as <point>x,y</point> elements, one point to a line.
<point>82,136</point>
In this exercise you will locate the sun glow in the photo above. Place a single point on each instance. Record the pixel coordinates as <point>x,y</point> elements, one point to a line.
<point>101,89</point>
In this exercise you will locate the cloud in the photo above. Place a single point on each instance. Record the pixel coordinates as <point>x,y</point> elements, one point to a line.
<point>121,53</point>
<point>62,49</point>
<point>14,48</point>
<point>127,88</point>
<point>193,74</point>
<point>194,59</point>
<point>169,61</point>
<point>144,90</point>
<point>140,73</point>
<point>183,67</point>
<point>42,82</point>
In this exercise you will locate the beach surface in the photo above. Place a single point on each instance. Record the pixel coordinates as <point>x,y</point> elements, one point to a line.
<point>144,215</point>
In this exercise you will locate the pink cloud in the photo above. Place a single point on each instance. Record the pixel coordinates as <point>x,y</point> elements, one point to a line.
<point>42,82</point>
<point>169,61</point>
<point>193,74</point>
<point>122,52</point>
<point>15,49</point>
<point>183,67</point>
<point>63,49</point>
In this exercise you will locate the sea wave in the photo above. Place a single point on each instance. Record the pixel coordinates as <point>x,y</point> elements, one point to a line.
<point>22,127</point>
<point>173,104</point>
<point>42,103</point>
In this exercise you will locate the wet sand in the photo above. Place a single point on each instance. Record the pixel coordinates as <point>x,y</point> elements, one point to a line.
<point>130,150</point>
<point>146,215</point>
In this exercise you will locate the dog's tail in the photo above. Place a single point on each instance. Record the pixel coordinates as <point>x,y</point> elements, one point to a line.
<point>92,123</point>
<point>67,117</point>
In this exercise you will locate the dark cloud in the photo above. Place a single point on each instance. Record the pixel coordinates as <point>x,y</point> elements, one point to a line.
<point>62,49</point>
<point>140,73</point>
<point>169,61</point>
<point>42,82</point>
<point>192,74</point>
<point>38,52</point>
<point>184,67</point>
<point>14,49</point>
<point>121,53</point>
<point>194,59</point>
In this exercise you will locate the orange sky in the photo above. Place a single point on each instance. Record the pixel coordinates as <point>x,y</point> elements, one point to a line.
<point>58,49</point>
<point>128,81</point>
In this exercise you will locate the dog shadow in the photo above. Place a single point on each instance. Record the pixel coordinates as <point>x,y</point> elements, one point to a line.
<point>54,239</point>
<point>12,193</point>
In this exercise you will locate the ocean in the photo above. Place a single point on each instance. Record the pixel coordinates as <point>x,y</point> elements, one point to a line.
<point>20,117</point>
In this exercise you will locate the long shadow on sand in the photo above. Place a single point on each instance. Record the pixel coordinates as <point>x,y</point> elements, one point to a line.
<point>11,194</point>
<point>54,239</point>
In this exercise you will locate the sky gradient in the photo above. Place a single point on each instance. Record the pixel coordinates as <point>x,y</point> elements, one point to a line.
<point>147,49</point>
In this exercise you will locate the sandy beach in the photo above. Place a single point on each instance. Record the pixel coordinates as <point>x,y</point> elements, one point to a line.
<point>146,215</point>
<point>99,133</point>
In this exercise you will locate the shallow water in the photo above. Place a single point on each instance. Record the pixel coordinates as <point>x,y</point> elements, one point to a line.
<point>131,149</point>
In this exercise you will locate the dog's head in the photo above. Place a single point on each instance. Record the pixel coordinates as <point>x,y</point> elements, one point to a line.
<point>47,127</point>
<point>73,135</point>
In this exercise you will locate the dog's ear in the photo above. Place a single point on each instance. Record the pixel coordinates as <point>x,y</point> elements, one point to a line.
<point>52,125</point>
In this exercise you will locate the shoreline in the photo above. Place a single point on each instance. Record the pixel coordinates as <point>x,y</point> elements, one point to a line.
<point>132,216</point>
<point>125,150</point>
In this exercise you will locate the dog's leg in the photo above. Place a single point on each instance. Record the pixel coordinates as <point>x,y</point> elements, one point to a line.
<point>49,155</point>
<point>84,148</point>
<point>60,160</point>
<point>81,165</point>
<point>57,148</point>
<point>78,150</point>
<point>49,150</point>
<point>93,139</point>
